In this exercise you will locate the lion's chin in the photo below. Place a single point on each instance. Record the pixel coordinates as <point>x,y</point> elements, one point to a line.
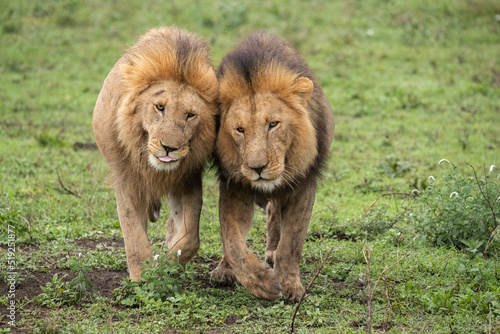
<point>163,166</point>
<point>266,186</point>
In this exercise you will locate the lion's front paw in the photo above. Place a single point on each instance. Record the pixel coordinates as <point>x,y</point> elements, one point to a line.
<point>293,290</point>
<point>263,284</point>
<point>223,272</point>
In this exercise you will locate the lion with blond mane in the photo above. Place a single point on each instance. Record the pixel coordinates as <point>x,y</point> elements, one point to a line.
<point>154,123</point>
<point>275,132</point>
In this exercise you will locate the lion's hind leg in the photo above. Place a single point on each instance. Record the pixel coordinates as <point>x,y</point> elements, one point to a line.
<point>273,231</point>
<point>154,210</point>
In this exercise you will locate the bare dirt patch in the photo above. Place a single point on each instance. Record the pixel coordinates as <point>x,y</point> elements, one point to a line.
<point>92,243</point>
<point>30,284</point>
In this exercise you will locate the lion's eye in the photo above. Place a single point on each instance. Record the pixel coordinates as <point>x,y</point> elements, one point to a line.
<point>240,130</point>
<point>273,124</point>
<point>190,115</point>
<point>160,107</point>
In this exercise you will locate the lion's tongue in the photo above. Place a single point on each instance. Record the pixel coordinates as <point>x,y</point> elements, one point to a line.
<point>166,158</point>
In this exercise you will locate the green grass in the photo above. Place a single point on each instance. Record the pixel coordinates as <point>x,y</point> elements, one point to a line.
<point>410,82</point>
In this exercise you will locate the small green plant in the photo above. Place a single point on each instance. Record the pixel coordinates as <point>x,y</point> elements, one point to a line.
<point>45,139</point>
<point>446,300</point>
<point>393,167</point>
<point>57,293</point>
<point>463,211</point>
<point>20,226</point>
<point>369,185</point>
<point>161,280</point>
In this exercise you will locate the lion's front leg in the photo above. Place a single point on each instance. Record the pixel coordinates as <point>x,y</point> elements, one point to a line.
<point>183,224</point>
<point>224,272</point>
<point>236,215</point>
<point>296,216</point>
<point>133,216</point>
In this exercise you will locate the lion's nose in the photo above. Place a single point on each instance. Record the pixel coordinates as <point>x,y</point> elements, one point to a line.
<point>259,169</point>
<point>168,149</point>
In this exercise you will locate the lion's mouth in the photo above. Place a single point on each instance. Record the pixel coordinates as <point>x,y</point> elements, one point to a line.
<point>166,158</point>
<point>266,185</point>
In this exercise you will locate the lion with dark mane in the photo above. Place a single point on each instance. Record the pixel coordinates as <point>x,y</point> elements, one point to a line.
<point>276,128</point>
<point>155,123</point>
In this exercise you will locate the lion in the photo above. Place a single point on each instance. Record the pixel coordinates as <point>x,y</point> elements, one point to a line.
<point>276,128</point>
<point>155,124</point>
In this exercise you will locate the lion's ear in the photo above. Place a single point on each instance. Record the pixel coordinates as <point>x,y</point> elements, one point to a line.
<point>303,87</point>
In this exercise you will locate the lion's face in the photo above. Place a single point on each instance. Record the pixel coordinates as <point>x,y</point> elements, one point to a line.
<point>172,115</point>
<point>266,142</point>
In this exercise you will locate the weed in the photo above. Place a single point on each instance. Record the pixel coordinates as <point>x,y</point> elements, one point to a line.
<point>457,212</point>
<point>379,221</point>
<point>45,139</point>
<point>393,167</point>
<point>369,185</point>
<point>161,280</point>
<point>57,293</point>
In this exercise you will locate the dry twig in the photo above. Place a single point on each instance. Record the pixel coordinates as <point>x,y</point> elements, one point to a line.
<point>52,263</point>
<point>371,288</point>
<point>388,194</point>
<point>307,288</point>
<point>67,190</point>
<point>368,327</point>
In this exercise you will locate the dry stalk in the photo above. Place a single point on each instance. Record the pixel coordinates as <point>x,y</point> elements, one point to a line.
<point>67,190</point>
<point>368,327</point>
<point>386,292</point>
<point>388,194</point>
<point>371,288</point>
<point>292,329</point>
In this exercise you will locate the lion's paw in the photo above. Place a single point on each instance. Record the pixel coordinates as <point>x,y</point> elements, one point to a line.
<point>293,290</point>
<point>224,272</point>
<point>263,284</point>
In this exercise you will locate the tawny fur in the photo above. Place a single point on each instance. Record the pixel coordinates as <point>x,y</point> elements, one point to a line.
<point>275,131</point>
<point>167,67</point>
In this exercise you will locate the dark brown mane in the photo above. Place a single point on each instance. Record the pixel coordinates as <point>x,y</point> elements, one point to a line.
<point>258,51</point>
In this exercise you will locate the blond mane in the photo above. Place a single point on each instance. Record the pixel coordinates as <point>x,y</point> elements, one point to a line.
<point>170,53</point>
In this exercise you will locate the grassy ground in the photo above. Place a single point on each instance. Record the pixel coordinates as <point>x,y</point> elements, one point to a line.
<point>410,82</point>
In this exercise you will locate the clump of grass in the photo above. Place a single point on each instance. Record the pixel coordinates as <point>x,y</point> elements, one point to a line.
<point>46,139</point>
